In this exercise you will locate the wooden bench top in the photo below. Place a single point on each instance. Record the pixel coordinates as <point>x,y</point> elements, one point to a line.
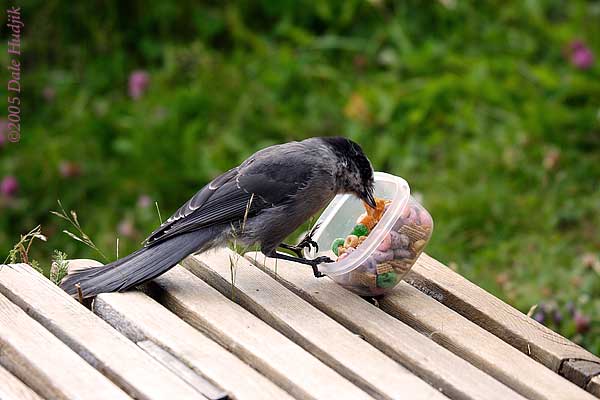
<point>279,333</point>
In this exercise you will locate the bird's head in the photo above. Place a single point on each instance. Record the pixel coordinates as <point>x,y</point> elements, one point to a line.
<point>355,174</point>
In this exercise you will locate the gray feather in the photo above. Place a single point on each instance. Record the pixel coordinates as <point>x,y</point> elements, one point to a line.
<point>138,267</point>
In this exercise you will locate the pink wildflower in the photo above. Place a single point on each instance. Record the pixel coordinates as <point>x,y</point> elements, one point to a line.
<point>9,186</point>
<point>138,83</point>
<point>580,55</point>
<point>126,228</point>
<point>144,201</point>
<point>582,322</point>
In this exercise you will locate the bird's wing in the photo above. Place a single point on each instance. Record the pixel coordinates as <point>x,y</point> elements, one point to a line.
<point>218,201</point>
<point>266,179</point>
<point>203,195</point>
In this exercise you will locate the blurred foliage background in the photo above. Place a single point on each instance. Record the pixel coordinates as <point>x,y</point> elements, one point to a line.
<point>491,111</point>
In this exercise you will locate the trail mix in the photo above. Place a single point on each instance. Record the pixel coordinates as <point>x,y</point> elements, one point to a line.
<point>394,256</point>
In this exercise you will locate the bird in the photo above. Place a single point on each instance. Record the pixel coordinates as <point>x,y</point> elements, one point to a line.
<point>258,203</point>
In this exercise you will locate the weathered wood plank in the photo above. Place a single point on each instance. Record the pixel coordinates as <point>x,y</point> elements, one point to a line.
<point>255,342</point>
<point>594,386</point>
<point>97,342</point>
<point>333,344</point>
<point>44,363</point>
<point>579,372</point>
<point>12,388</point>
<point>209,390</point>
<point>141,319</point>
<point>481,348</point>
<point>454,376</point>
<point>492,314</point>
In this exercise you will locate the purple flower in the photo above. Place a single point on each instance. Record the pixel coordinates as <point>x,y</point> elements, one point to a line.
<point>144,201</point>
<point>540,316</point>
<point>580,55</point>
<point>582,322</point>
<point>557,317</point>
<point>138,83</point>
<point>9,186</point>
<point>126,228</point>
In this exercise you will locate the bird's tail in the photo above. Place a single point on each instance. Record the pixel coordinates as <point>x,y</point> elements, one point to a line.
<point>138,267</point>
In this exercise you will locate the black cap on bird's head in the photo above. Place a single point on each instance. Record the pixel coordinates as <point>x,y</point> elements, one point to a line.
<point>356,174</point>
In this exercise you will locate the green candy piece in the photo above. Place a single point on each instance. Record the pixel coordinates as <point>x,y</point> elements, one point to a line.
<point>337,243</point>
<point>387,280</point>
<point>360,230</point>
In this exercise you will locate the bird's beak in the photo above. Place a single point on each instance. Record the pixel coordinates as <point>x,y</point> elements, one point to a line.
<point>368,198</point>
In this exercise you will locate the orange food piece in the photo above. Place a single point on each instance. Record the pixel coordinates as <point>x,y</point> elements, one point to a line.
<point>367,221</point>
<point>376,212</point>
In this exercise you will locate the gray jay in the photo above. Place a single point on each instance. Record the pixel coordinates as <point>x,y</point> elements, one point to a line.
<point>260,202</point>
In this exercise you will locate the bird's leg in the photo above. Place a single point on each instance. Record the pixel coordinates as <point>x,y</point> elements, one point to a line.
<point>291,247</point>
<point>313,263</point>
<point>306,241</point>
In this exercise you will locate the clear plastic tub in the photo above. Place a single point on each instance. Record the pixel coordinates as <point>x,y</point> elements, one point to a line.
<point>391,248</point>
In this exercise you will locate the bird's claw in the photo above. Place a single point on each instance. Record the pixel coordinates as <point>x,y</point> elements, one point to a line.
<point>315,262</point>
<point>322,259</point>
<point>307,240</point>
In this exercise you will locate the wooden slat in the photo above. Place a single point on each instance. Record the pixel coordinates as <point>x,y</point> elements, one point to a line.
<point>579,372</point>
<point>141,319</point>
<point>209,390</point>
<point>492,314</point>
<point>469,341</point>
<point>454,376</point>
<point>44,363</point>
<point>12,388</point>
<point>97,342</point>
<point>333,344</point>
<point>594,386</point>
<point>261,346</point>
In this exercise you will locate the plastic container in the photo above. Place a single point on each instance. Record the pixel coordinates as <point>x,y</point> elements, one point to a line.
<point>391,248</point>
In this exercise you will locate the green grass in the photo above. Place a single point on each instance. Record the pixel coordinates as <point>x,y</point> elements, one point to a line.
<point>476,105</point>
